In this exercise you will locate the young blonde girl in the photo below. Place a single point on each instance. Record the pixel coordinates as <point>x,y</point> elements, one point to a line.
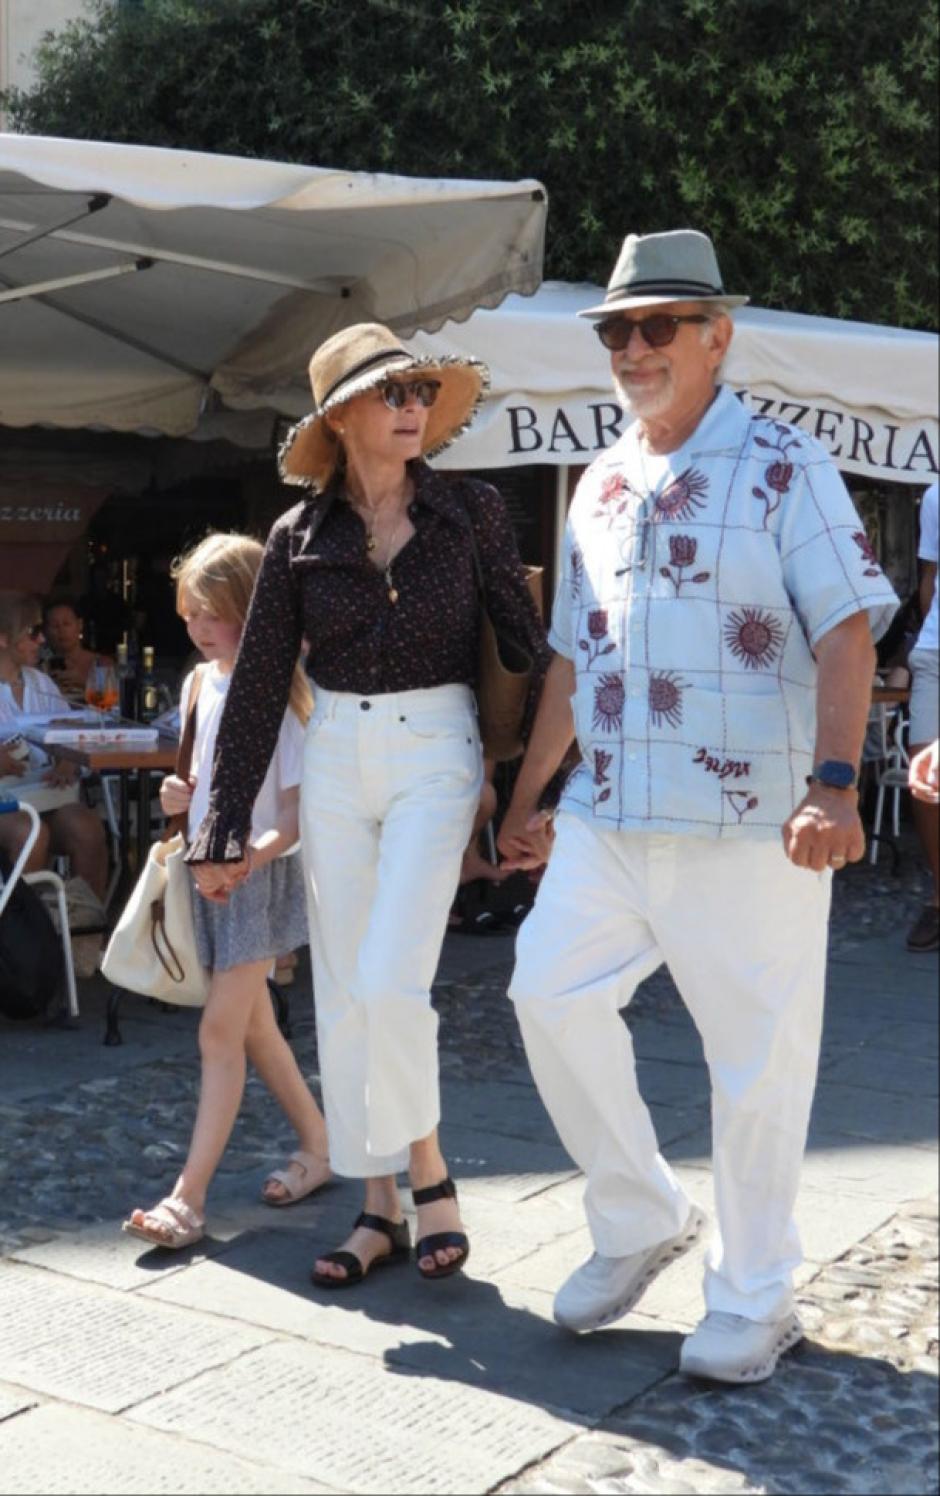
<point>263,917</point>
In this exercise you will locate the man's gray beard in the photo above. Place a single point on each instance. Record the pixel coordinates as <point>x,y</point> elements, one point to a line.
<point>649,406</point>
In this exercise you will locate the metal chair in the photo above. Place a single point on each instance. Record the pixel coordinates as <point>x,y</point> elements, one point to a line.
<point>7,806</point>
<point>889,769</point>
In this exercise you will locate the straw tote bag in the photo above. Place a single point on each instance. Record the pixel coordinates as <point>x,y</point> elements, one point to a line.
<point>153,947</point>
<point>504,674</point>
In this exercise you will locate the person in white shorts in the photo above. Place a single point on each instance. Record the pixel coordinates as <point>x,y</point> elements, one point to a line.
<point>713,654</point>
<point>924,935</point>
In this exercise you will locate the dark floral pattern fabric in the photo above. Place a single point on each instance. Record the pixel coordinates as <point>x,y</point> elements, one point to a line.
<point>318,583</point>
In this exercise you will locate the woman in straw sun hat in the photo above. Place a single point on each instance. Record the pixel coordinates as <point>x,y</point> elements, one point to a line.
<point>375,569</point>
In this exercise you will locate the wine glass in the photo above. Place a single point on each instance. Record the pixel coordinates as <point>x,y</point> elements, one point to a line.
<point>101,688</point>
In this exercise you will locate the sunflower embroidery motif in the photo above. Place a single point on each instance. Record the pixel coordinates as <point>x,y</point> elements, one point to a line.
<point>594,645</point>
<point>868,554</point>
<point>754,637</point>
<point>665,699</point>
<point>609,697</point>
<point>684,496</point>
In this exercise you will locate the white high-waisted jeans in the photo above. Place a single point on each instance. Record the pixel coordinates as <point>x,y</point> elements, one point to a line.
<point>390,788</point>
<point>744,934</point>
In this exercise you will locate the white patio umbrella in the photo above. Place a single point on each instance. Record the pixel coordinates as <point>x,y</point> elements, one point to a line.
<point>141,288</point>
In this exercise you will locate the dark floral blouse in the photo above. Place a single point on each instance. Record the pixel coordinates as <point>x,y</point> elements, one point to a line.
<point>317,581</point>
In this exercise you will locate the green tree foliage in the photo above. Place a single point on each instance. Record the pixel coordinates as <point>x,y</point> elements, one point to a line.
<point>800,133</point>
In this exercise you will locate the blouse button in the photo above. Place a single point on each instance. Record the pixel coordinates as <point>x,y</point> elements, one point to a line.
<point>365,706</point>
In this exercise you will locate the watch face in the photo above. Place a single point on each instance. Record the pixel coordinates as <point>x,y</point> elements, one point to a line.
<point>838,775</point>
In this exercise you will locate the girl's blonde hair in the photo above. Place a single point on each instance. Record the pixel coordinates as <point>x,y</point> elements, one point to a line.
<point>18,611</point>
<point>219,575</point>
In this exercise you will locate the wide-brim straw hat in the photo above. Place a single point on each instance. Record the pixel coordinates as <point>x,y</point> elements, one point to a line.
<point>680,265</point>
<point>358,359</point>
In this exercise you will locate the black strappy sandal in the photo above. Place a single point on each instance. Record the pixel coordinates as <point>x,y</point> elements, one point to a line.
<point>397,1233</point>
<point>438,1240</point>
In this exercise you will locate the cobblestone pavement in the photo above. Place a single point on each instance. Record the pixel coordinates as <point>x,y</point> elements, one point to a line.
<point>853,1408</point>
<point>89,1132</point>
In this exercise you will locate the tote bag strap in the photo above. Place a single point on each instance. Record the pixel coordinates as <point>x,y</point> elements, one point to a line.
<point>184,753</point>
<point>475,552</point>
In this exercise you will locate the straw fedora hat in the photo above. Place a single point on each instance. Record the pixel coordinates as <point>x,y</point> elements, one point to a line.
<point>356,360</point>
<point>654,268</point>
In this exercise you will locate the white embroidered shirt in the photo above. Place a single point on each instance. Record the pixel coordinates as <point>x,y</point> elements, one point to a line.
<point>693,589</point>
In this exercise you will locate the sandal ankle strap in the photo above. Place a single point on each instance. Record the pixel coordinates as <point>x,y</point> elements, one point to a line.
<point>446,1190</point>
<point>396,1231</point>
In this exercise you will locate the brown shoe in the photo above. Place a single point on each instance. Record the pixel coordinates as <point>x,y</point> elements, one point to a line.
<point>924,934</point>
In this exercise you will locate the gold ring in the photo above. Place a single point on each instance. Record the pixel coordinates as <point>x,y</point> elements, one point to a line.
<point>836,861</point>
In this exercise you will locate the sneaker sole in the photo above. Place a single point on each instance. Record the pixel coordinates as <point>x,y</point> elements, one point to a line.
<point>669,1253</point>
<point>790,1335</point>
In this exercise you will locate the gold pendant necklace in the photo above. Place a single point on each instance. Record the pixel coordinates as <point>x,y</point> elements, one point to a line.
<point>387,574</point>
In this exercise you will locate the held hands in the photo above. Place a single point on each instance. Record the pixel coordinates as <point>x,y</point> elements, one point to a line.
<point>217,880</point>
<point>525,839</point>
<point>825,830</point>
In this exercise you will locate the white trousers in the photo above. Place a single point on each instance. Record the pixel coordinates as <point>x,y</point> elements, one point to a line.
<point>744,934</point>
<point>390,788</point>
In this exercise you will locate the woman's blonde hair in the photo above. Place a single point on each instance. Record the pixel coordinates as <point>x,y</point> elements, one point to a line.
<point>18,612</point>
<point>219,575</point>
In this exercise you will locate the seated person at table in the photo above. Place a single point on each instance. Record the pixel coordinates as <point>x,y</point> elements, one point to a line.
<point>71,661</point>
<point>68,827</point>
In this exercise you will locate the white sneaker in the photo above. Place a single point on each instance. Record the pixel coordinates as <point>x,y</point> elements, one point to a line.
<point>606,1288</point>
<point>730,1348</point>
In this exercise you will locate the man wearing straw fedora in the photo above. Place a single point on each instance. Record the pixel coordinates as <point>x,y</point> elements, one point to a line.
<point>713,656</point>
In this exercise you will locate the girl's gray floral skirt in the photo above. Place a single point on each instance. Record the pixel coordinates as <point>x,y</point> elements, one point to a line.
<point>264,918</point>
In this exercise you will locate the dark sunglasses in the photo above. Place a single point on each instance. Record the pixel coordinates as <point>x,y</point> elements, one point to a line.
<point>657,330</point>
<point>33,632</point>
<point>396,393</point>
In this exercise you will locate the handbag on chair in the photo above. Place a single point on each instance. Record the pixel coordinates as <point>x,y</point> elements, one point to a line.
<point>504,675</point>
<point>152,949</point>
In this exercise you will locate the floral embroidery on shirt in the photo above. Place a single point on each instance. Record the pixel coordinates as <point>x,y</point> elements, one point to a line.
<point>868,554</point>
<point>602,762</point>
<point>665,699</point>
<point>682,553</point>
<point>613,498</point>
<point>609,697</point>
<point>778,474</point>
<point>597,631</point>
<point>577,573</point>
<point>683,496</point>
<point>754,636</point>
<point>740,802</point>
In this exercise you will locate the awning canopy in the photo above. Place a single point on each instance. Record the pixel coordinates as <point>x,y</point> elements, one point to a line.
<point>869,393</point>
<point>142,289</point>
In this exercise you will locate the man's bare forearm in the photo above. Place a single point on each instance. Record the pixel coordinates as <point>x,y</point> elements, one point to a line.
<point>552,733</point>
<point>845,659</point>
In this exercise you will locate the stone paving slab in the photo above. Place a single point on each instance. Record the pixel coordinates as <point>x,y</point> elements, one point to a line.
<point>898,1118</point>
<point>507,1341</point>
<point>263,1278</point>
<point>65,1451</point>
<point>876,1068</point>
<point>505,1168</point>
<point>107,1351</point>
<point>356,1425</point>
<point>13,1400</point>
<point>104,1254</point>
<point>888,1172</point>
